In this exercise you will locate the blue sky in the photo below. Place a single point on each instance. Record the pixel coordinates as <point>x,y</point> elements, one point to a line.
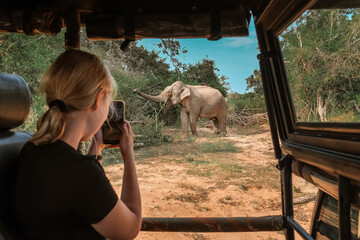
<point>235,58</point>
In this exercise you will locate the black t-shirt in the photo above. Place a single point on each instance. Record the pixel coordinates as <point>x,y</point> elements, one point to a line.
<point>60,192</point>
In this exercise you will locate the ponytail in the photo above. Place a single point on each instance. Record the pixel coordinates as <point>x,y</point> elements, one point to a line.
<point>50,126</point>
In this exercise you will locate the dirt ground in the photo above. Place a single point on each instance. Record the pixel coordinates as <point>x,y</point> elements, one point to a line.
<point>211,176</point>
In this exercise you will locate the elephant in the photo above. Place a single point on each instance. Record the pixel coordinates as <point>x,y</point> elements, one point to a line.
<point>196,101</point>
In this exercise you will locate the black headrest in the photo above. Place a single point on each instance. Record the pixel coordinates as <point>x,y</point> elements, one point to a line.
<point>14,101</point>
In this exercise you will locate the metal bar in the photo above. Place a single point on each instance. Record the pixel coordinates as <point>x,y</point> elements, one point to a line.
<point>298,228</point>
<point>286,184</point>
<point>344,208</point>
<point>316,212</point>
<point>269,99</point>
<point>281,87</point>
<point>234,224</point>
<point>72,35</point>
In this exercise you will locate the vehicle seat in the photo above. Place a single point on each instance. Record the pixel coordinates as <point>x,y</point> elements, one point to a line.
<point>14,109</point>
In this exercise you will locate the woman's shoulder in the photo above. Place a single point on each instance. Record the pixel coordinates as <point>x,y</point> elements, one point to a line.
<point>55,154</point>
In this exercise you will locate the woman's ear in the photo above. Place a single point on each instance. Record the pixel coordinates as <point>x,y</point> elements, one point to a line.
<point>185,92</point>
<point>99,98</point>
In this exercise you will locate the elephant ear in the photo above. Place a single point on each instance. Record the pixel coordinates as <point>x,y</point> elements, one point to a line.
<point>185,92</point>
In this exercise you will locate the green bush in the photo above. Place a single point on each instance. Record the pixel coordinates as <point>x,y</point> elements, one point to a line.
<point>256,102</point>
<point>37,108</point>
<point>149,131</point>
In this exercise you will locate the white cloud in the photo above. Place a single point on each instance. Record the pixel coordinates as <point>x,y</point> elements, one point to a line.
<point>238,42</point>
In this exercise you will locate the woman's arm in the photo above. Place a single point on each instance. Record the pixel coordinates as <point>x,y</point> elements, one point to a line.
<point>124,220</point>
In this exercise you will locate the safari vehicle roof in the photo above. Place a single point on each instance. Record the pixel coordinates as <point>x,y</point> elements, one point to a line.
<point>111,19</point>
<point>332,147</point>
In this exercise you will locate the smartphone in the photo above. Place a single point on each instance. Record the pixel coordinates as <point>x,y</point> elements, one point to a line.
<point>111,128</point>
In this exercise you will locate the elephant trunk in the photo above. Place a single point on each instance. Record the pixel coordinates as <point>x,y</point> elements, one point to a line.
<point>150,97</point>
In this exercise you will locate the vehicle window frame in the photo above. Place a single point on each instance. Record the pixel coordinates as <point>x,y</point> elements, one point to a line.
<point>336,136</point>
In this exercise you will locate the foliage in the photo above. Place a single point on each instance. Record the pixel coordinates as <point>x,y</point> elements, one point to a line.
<point>250,100</point>
<point>322,55</point>
<point>321,52</point>
<point>205,73</point>
<point>137,68</point>
<point>172,49</point>
<point>149,131</point>
<point>38,107</point>
<point>254,83</point>
<point>253,100</point>
<point>29,56</point>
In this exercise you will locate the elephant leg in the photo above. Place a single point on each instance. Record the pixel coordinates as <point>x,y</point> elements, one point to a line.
<point>222,125</point>
<point>216,124</point>
<point>193,119</point>
<point>184,121</point>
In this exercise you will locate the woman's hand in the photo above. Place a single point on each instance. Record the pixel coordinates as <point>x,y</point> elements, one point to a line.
<point>97,143</point>
<point>124,220</point>
<point>126,140</point>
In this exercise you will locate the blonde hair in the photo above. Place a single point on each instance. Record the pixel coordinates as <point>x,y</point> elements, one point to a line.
<point>75,78</point>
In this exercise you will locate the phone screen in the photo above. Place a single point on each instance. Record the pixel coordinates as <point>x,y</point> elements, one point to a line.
<point>112,126</point>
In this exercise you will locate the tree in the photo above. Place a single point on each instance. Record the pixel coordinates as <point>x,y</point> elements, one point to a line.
<point>254,83</point>
<point>253,99</point>
<point>205,73</point>
<point>29,56</point>
<point>172,49</point>
<point>322,54</point>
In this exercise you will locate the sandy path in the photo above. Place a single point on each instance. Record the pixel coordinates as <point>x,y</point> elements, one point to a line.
<point>178,182</point>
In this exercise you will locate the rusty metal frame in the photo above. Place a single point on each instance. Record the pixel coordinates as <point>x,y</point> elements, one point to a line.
<point>72,35</point>
<point>227,224</point>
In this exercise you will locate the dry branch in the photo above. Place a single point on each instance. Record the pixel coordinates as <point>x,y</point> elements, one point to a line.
<point>304,199</point>
<point>246,117</point>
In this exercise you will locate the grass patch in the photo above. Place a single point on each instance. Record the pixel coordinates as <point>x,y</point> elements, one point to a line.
<point>189,158</point>
<point>152,151</point>
<point>201,173</point>
<point>296,189</point>
<point>193,158</point>
<point>216,169</point>
<point>231,167</point>
<point>262,176</point>
<point>111,156</point>
<point>228,201</point>
<point>214,147</point>
<point>197,194</point>
<point>243,187</point>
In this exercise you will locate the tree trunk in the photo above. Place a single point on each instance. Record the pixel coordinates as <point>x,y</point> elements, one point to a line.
<point>321,108</point>
<point>304,199</point>
<point>355,106</point>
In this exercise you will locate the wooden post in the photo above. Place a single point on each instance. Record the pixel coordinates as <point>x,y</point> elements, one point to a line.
<point>72,35</point>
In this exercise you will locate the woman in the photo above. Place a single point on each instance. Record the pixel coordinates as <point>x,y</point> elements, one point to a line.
<point>60,193</point>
